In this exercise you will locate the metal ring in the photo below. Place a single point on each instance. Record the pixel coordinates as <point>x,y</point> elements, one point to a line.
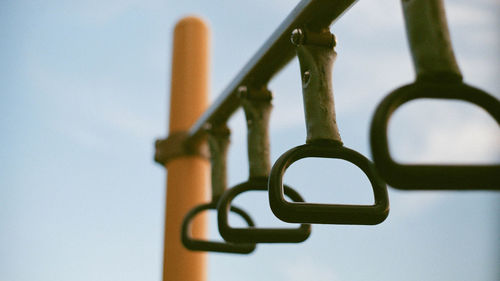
<point>431,177</point>
<point>253,234</point>
<point>214,246</point>
<point>327,213</point>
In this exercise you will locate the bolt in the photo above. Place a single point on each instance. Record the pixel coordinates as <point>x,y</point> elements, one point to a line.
<point>334,40</point>
<point>242,92</point>
<point>207,126</point>
<point>306,77</point>
<point>297,37</point>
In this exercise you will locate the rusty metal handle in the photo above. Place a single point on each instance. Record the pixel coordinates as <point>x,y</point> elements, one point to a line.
<point>257,106</point>
<point>429,40</point>
<point>438,77</point>
<point>218,141</point>
<point>254,234</point>
<point>194,244</point>
<point>316,63</point>
<point>327,213</point>
<point>431,177</point>
<point>323,140</point>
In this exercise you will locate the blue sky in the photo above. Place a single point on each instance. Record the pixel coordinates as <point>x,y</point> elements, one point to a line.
<point>84,94</point>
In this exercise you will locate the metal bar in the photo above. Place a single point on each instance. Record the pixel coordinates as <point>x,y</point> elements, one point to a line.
<point>276,52</point>
<point>429,40</point>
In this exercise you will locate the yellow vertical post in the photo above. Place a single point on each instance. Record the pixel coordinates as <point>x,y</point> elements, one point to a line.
<point>188,176</point>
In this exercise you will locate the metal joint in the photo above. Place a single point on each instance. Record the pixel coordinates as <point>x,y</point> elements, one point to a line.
<point>429,41</point>
<point>177,145</point>
<point>257,106</point>
<point>321,39</point>
<point>218,142</point>
<point>316,63</point>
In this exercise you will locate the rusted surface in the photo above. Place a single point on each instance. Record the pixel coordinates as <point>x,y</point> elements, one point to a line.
<point>272,56</point>
<point>257,107</point>
<point>316,63</point>
<point>176,145</point>
<point>218,141</point>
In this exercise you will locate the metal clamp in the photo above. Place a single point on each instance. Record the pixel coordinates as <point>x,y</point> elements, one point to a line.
<point>218,141</point>
<point>323,140</point>
<point>257,106</point>
<point>177,145</point>
<point>438,77</point>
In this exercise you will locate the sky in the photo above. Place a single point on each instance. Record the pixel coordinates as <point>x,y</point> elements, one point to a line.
<point>84,89</point>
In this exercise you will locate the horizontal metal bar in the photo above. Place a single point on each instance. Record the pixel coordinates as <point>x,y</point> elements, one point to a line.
<point>276,52</point>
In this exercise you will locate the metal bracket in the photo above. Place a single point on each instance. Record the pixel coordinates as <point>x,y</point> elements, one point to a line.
<point>429,40</point>
<point>323,140</point>
<point>257,106</point>
<point>218,141</point>
<point>177,145</point>
<point>316,63</point>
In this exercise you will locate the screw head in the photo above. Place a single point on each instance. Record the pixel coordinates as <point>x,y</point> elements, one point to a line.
<point>297,37</point>
<point>334,41</point>
<point>207,126</point>
<point>242,92</point>
<point>306,78</point>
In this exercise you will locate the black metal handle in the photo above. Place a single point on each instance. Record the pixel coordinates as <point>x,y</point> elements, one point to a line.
<point>438,77</point>
<point>253,234</point>
<point>327,213</point>
<point>427,177</point>
<point>323,140</point>
<point>214,246</point>
<point>257,106</point>
<point>218,142</point>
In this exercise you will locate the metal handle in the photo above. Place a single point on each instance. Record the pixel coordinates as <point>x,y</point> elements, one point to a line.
<point>431,177</point>
<point>257,106</point>
<point>429,40</point>
<point>254,234</point>
<point>327,213</point>
<point>214,246</point>
<point>323,140</point>
<point>316,63</point>
<point>438,77</point>
<point>218,141</point>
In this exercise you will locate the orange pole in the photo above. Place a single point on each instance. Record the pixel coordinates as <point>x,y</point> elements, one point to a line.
<point>188,176</point>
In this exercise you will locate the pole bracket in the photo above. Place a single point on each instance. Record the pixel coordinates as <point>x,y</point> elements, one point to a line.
<point>176,145</point>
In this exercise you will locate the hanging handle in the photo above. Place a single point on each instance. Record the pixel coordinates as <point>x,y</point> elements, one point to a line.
<point>429,40</point>
<point>438,77</point>
<point>218,141</point>
<point>257,106</point>
<point>316,59</point>
<point>316,64</point>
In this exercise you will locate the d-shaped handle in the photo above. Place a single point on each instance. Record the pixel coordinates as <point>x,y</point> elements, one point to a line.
<point>327,213</point>
<point>432,177</point>
<point>254,234</point>
<point>213,246</point>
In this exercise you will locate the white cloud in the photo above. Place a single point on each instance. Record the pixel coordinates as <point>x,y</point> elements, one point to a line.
<point>471,142</point>
<point>444,132</point>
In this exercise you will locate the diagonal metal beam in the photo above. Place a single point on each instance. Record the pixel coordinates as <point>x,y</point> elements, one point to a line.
<point>274,54</point>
